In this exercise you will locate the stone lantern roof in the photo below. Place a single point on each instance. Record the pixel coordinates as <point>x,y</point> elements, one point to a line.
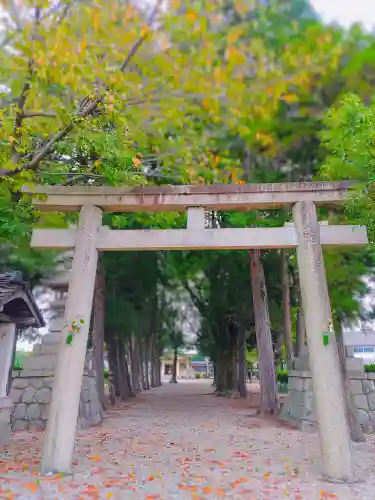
<point>17,304</point>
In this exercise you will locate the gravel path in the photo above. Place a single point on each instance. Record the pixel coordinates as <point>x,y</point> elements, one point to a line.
<point>180,442</point>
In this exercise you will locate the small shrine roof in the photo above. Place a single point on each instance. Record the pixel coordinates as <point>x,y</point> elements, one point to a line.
<point>17,304</point>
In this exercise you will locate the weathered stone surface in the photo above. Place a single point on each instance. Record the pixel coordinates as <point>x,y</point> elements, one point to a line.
<point>45,410</point>
<point>355,386</point>
<point>371,400</point>
<point>302,364</point>
<point>371,376</point>
<point>33,411</point>
<point>355,365</point>
<point>37,424</point>
<point>363,417</point>
<point>19,425</point>
<point>19,411</point>
<point>43,395</point>
<point>20,383</point>
<point>371,414</point>
<point>86,382</point>
<point>368,386</point>
<point>5,430</point>
<point>360,401</point>
<point>28,395</point>
<point>15,395</point>
<point>85,396</point>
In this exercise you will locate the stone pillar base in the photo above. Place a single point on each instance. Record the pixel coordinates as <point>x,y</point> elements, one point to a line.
<point>5,429</point>
<point>31,394</point>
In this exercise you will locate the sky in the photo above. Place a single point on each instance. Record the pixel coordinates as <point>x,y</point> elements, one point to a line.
<point>347,12</point>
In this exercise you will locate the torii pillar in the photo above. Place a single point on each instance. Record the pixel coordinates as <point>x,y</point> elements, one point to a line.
<point>324,362</point>
<point>63,412</point>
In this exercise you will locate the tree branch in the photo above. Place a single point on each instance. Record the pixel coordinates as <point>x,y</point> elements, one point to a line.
<point>33,114</point>
<point>88,110</point>
<point>143,36</point>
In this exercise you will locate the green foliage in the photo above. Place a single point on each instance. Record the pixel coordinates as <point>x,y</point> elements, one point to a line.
<point>198,375</point>
<point>349,139</point>
<point>370,368</point>
<point>282,376</point>
<point>18,360</point>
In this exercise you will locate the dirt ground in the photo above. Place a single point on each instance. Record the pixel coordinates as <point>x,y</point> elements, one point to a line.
<point>180,442</point>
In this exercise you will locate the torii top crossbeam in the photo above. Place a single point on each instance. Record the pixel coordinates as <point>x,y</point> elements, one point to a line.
<point>179,198</point>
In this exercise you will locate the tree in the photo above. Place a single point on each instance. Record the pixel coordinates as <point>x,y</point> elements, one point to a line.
<point>349,142</point>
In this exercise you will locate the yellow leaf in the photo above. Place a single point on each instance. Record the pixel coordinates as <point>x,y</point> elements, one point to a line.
<point>83,45</point>
<point>192,16</point>
<point>205,103</point>
<point>145,30</point>
<point>234,35</point>
<point>289,98</point>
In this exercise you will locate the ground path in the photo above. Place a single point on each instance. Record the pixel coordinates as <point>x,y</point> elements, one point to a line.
<point>180,442</point>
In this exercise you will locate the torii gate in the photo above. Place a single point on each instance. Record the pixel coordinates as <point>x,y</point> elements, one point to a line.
<point>306,234</point>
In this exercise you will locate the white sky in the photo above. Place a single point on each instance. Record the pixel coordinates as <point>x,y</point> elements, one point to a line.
<point>347,12</point>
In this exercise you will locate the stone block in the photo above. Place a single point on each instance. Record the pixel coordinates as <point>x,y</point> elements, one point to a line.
<point>38,383</point>
<point>355,386</point>
<point>19,425</point>
<point>28,394</point>
<point>363,417</point>
<point>15,395</point>
<point>371,400</point>
<point>86,383</point>
<point>355,365</point>
<point>45,411</point>
<point>361,402</point>
<point>33,411</point>
<point>19,412</point>
<point>19,383</point>
<point>40,362</point>
<point>37,424</point>
<point>371,376</point>
<point>51,338</point>
<point>43,395</point>
<point>85,396</point>
<point>302,364</point>
<point>368,386</point>
<point>371,415</point>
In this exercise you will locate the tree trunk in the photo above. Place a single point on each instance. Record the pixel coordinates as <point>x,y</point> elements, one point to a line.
<point>242,363</point>
<point>287,326</point>
<point>174,367</point>
<point>268,390</point>
<point>157,366</point>
<point>301,345</point>
<point>125,386</point>
<point>226,380</point>
<point>140,364</point>
<point>356,432</point>
<point>98,330</point>
<point>146,363</point>
<point>134,365</point>
<point>113,364</point>
<point>152,361</point>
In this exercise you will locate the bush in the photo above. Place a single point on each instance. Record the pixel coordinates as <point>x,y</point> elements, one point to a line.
<point>197,375</point>
<point>282,376</point>
<point>370,368</point>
